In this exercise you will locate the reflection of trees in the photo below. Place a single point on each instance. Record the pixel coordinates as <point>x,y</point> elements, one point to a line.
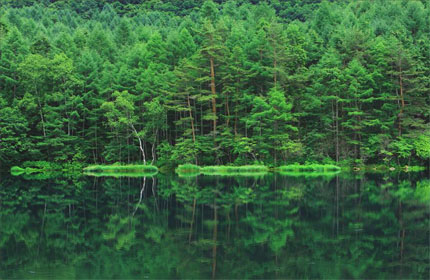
<point>170,227</point>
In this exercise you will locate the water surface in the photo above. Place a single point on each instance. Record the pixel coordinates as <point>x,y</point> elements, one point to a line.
<point>276,226</point>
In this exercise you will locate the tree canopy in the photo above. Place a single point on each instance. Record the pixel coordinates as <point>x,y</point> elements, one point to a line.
<point>214,81</point>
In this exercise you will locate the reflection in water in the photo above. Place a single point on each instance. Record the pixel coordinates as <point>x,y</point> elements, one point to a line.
<point>276,226</point>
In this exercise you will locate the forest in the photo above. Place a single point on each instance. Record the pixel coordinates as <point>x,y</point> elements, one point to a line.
<point>215,82</point>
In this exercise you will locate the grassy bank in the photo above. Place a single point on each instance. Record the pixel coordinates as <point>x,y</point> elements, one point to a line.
<point>228,170</point>
<point>313,174</point>
<point>117,174</point>
<point>121,169</point>
<point>17,169</point>
<point>30,167</point>
<point>188,169</point>
<point>414,168</point>
<point>244,170</point>
<point>309,168</point>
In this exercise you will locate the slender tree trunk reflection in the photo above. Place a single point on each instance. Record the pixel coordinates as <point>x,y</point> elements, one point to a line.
<point>141,195</point>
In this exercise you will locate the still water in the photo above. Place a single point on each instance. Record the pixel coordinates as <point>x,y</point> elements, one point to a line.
<point>276,226</point>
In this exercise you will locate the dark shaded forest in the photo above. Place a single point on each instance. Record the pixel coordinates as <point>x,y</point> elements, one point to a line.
<point>224,82</point>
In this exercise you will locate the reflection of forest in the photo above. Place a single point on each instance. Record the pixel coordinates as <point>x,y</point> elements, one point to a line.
<point>170,227</point>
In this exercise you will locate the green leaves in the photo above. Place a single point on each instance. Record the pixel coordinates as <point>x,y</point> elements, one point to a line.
<point>238,82</point>
<point>13,133</point>
<point>422,145</point>
<point>402,147</point>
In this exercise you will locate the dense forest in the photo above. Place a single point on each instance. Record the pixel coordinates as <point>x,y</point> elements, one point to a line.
<point>223,82</point>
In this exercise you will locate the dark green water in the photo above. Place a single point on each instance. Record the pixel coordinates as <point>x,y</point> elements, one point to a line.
<point>372,226</point>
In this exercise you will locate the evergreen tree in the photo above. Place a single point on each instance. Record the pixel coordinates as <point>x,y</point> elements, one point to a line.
<point>215,82</point>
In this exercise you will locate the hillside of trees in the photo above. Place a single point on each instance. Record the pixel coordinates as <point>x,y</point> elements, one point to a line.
<point>223,82</point>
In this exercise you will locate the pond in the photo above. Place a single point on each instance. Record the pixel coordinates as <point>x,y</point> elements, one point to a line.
<point>273,226</point>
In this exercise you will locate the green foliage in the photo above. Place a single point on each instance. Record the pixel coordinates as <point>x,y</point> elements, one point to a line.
<point>422,146</point>
<point>129,173</point>
<point>214,82</point>
<point>309,168</point>
<point>328,175</point>
<point>121,169</point>
<point>414,168</point>
<point>44,167</point>
<point>245,170</point>
<point>16,170</point>
<point>188,168</point>
<point>422,192</point>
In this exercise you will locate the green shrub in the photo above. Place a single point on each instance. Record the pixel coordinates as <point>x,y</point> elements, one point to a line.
<point>313,174</point>
<point>42,166</point>
<point>29,167</point>
<point>244,170</point>
<point>414,168</point>
<point>309,168</point>
<point>234,169</point>
<point>121,168</point>
<point>188,168</point>
<point>16,169</point>
<point>118,174</point>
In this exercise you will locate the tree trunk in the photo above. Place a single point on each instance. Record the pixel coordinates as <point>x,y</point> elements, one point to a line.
<point>337,131</point>
<point>43,122</point>
<point>402,100</point>
<point>213,94</point>
<point>41,115</point>
<point>154,145</point>
<point>227,108</point>
<point>96,143</point>
<point>235,113</point>
<point>191,119</point>
<point>275,78</point>
<point>142,149</point>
